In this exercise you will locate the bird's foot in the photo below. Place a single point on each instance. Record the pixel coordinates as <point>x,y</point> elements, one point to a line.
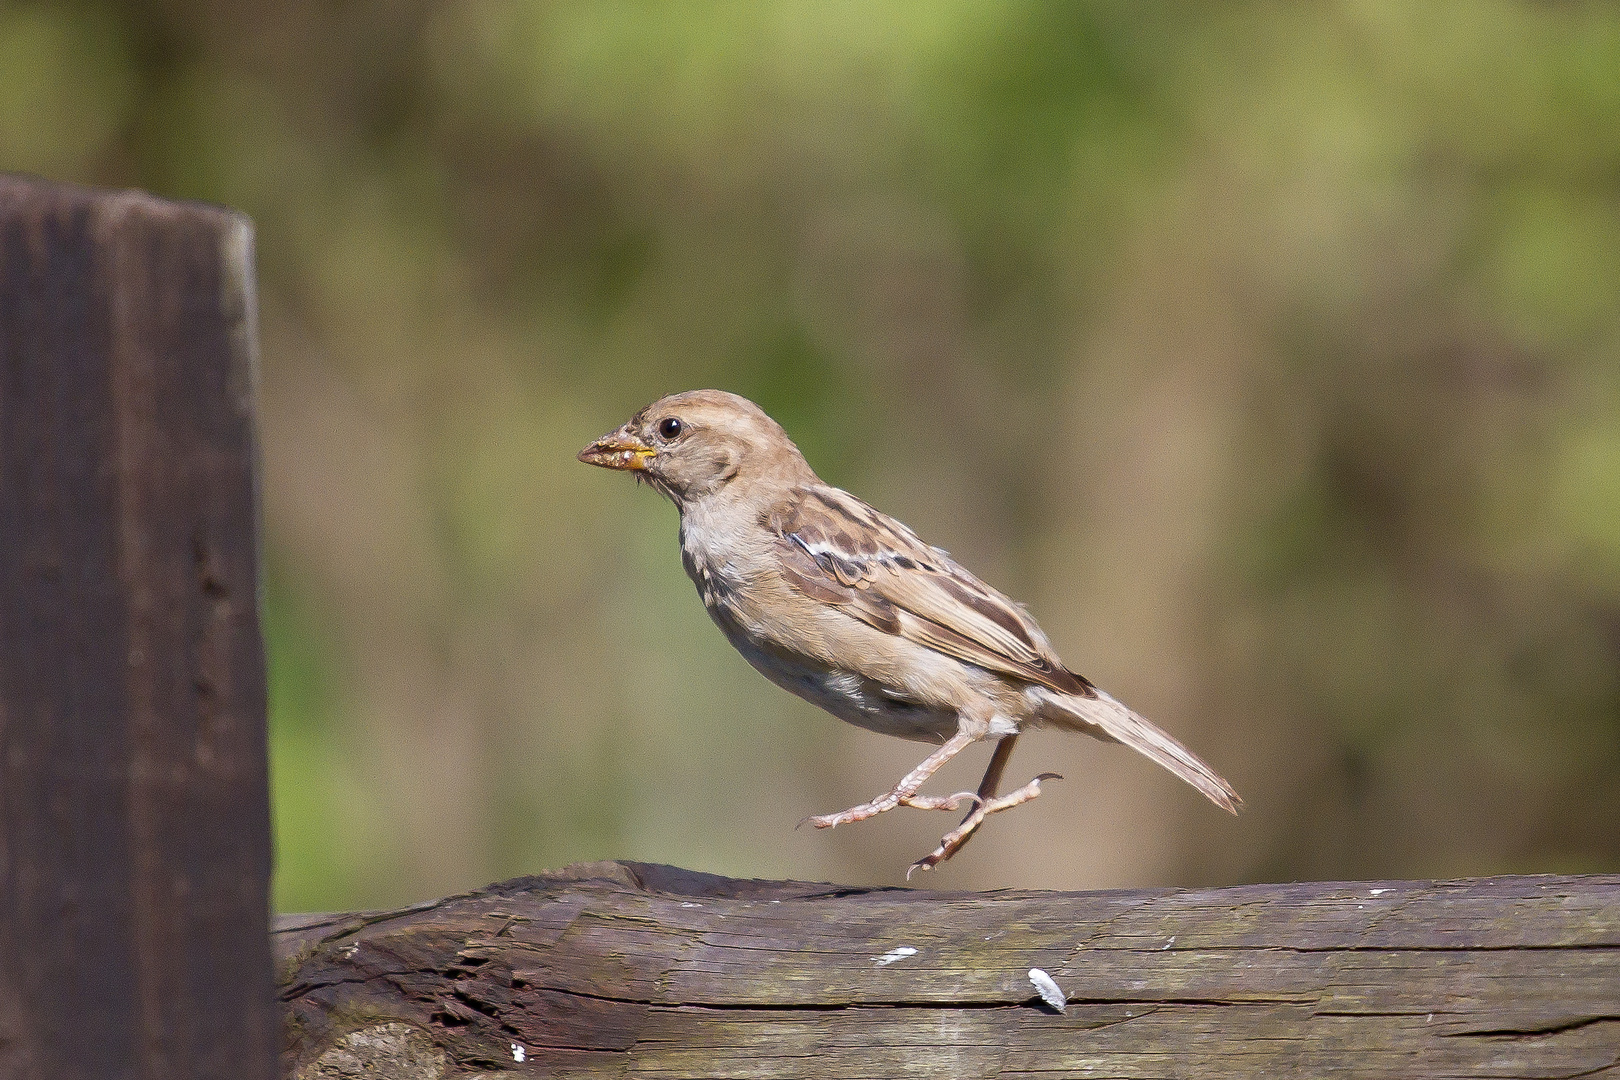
<point>889,802</point>
<point>952,841</point>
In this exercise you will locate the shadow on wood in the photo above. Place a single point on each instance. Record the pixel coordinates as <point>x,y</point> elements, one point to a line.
<point>632,970</point>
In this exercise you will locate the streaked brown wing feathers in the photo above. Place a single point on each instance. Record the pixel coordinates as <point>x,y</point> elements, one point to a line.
<point>839,550</point>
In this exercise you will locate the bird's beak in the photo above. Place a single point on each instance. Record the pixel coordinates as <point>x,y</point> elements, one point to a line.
<point>618,450</point>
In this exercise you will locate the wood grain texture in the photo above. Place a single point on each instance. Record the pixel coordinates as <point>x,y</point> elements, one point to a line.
<point>631,970</point>
<point>134,816</point>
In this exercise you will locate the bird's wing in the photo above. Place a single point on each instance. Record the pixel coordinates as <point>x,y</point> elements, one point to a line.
<point>838,550</point>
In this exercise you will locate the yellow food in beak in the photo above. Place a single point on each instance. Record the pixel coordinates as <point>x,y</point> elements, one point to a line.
<point>618,451</point>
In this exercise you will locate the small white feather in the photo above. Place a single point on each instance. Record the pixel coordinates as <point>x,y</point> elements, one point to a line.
<point>1047,987</point>
<point>892,955</point>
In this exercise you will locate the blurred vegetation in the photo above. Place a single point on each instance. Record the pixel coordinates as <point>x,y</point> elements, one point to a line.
<point>1270,352</point>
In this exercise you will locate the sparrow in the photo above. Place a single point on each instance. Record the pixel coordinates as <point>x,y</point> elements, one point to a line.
<point>847,608</point>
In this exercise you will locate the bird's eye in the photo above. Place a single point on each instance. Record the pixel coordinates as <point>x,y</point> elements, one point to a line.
<point>670,428</point>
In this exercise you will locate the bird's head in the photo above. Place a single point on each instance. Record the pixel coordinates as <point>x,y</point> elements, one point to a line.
<point>693,445</point>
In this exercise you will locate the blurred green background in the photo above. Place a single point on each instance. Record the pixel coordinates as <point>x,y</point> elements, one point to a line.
<point>1269,352</point>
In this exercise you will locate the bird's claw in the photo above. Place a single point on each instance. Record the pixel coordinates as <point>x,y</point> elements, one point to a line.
<point>943,802</point>
<point>889,802</point>
<point>844,817</point>
<point>953,841</point>
<point>927,862</point>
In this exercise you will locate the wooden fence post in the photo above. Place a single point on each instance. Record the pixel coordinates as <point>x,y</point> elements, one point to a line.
<point>134,811</point>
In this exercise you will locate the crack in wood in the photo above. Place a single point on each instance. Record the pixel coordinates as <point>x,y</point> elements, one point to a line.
<point>1537,1032</point>
<point>1031,1001</point>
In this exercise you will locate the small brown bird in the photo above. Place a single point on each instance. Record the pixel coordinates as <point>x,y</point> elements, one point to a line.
<point>847,608</point>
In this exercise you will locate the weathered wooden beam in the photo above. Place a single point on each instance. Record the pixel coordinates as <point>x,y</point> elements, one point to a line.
<point>134,814</point>
<point>629,970</point>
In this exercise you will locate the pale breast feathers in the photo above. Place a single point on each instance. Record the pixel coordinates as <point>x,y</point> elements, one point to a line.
<point>836,549</point>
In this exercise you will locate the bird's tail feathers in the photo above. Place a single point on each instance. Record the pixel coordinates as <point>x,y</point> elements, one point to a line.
<point>1107,719</point>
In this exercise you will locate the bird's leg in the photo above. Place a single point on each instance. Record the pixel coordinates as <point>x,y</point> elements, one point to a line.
<point>986,805</point>
<point>997,766</point>
<point>953,841</point>
<point>991,782</point>
<point>905,792</point>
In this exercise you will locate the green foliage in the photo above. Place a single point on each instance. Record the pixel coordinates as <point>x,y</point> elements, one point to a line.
<point>1269,352</point>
